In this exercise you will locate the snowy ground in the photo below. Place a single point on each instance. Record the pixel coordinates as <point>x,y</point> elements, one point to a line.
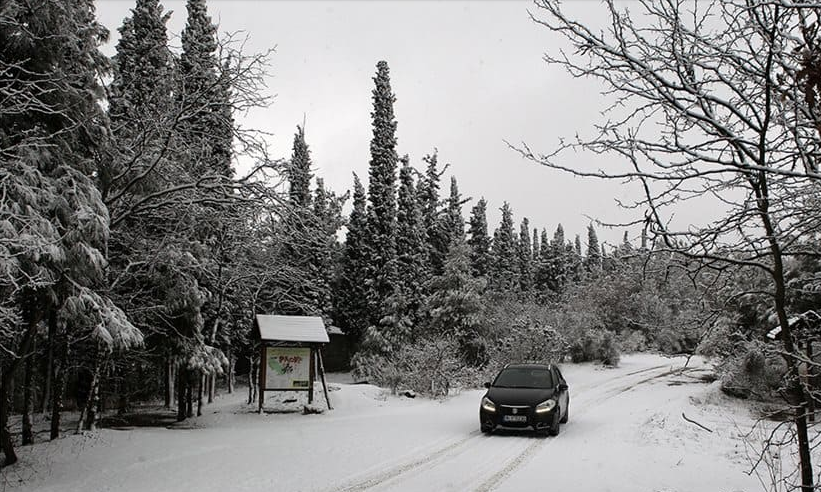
<point>626,433</point>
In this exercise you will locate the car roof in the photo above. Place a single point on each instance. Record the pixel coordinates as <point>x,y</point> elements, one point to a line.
<point>528,366</point>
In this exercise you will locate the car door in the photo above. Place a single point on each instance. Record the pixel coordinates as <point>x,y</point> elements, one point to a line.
<point>564,396</point>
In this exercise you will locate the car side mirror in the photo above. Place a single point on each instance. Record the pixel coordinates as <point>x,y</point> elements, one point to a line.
<point>562,386</point>
<point>486,385</point>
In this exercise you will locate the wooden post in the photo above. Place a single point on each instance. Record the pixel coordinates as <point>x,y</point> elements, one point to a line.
<point>311,375</point>
<point>322,376</point>
<point>263,363</point>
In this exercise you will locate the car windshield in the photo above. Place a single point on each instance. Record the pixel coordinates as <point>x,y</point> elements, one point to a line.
<point>524,377</point>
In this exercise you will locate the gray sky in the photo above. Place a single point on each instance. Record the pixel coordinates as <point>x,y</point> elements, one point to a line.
<point>467,75</point>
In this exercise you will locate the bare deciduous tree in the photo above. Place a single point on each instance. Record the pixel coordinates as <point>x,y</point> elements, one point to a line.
<point>706,105</point>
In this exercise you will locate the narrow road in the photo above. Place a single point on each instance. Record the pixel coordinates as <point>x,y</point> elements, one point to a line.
<point>482,463</point>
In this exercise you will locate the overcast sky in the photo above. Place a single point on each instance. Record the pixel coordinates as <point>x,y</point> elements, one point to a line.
<point>467,76</point>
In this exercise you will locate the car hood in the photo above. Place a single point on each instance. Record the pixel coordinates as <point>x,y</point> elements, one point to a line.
<point>519,396</point>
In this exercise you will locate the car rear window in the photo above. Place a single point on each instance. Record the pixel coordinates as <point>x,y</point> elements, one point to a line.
<point>524,377</point>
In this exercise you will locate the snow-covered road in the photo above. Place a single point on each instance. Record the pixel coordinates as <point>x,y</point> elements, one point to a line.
<point>625,433</point>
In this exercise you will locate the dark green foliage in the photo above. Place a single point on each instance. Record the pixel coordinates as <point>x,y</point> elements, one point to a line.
<point>299,172</point>
<point>525,257</point>
<point>454,305</point>
<point>351,304</point>
<point>593,260</point>
<point>428,193</point>
<point>411,251</point>
<point>379,247</point>
<point>454,222</point>
<point>53,222</point>
<point>203,95</point>
<point>479,240</point>
<point>505,268</point>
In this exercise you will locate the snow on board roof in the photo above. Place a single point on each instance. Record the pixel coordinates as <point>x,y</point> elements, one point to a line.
<point>309,329</point>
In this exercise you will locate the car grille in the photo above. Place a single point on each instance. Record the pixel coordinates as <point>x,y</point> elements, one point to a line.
<point>515,410</point>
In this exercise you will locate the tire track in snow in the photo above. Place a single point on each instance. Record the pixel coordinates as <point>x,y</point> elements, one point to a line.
<point>453,449</point>
<point>401,469</point>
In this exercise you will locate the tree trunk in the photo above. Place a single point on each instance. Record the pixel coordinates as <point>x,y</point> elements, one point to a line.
<point>93,395</point>
<point>200,389</point>
<point>168,386</point>
<point>49,363</point>
<point>181,407</point>
<point>60,377</point>
<point>189,396</point>
<point>253,382</point>
<point>212,387</point>
<point>797,390</point>
<point>6,443</point>
<point>28,434</point>
<point>230,373</point>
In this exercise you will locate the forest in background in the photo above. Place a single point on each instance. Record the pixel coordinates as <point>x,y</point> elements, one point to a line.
<point>134,254</point>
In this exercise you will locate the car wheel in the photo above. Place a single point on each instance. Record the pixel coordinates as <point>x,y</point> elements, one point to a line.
<point>553,430</point>
<point>486,429</point>
<point>566,414</point>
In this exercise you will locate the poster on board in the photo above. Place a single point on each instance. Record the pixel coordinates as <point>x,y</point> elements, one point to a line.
<point>287,368</point>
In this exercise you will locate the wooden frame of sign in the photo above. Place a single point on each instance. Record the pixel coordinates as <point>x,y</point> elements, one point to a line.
<point>314,362</point>
<point>290,348</point>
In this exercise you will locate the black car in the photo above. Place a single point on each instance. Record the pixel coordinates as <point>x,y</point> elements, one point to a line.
<point>526,395</point>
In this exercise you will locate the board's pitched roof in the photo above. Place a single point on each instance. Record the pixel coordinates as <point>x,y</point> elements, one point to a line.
<point>308,329</point>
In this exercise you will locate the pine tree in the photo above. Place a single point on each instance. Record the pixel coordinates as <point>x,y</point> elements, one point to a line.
<point>351,290</point>
<point>525,257</point>
<point>455,304</point>
<point>593,261</point>
<point>479,240</point>
<point>53,222</point>
<point>504,272</point>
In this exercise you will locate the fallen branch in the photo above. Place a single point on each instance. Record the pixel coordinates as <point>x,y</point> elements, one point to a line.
<point>694,422</point>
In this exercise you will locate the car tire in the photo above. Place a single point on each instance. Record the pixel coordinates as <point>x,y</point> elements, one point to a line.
<point>487,430</point>
<point>566,414</point>
<point>553,430</point>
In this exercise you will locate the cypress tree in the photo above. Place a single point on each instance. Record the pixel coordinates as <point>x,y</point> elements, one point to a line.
<point>593,262</point>
<point>505,274</point>
<point>479,240</point>
<point>380,253</point>
<point>142,85</point>
<point>327,219</point>
<point>525,257</point>
<point>410,244</point>
<point>454,225</point>
<point>541,266</point>
<point>202,95</point>
<point>537,250</point>
<point>436,236</point>
<point>299,172</point>
<point>351,290</point>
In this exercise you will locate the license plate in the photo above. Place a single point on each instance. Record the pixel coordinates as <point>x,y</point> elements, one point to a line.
<point>515,418</point>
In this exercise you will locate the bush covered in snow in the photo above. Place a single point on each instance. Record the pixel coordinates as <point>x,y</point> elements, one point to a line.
<point>429,366</point>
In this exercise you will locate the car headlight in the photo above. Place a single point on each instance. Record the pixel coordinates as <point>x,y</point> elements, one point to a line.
<point>545,406</point>
<point>488,405</point>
